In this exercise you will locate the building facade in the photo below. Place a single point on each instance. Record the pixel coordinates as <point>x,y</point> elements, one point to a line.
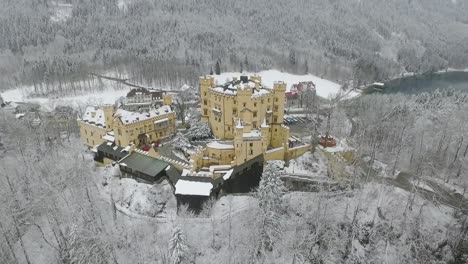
<point>247,118</point>
<point>124,127</point>
<point>145,99</point>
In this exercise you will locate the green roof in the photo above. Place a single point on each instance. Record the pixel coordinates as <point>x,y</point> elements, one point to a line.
<point>144,164</point>
<point>112,149</point>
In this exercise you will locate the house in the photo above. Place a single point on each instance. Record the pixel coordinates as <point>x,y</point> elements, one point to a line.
<point>144,99</point>
<point>126,127</point>
<point>144,167</point>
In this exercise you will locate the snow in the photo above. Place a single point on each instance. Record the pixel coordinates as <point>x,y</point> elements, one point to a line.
<point>228,174</point>
<point>219,145</point>
<point>422,185</point>
<point>193,188</point>
<point>109,138</point>
<point>94,116</point>
<point>310,164</point>
<point>129,117</point>
<point>325,88</point>
<point>161,120</point>
<point>21,94</point>
<point>20,115</point>
<point>219,167</point>
<point>62,11</point>
<point>252,134</point>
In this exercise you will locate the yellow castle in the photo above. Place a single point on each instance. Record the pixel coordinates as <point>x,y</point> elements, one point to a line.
<point>126,128</point>
<point>247,120</point>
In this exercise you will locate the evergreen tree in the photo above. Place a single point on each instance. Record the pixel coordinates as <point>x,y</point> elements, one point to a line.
<point>178,248</point>
<point>246,63</point>
<point>271,187</point>
<point>292,57</point>
<point>217,68</point>
<point>269,194</point>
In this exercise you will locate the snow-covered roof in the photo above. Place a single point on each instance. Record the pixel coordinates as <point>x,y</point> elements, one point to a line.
<point>94,116</point>
<point>108,137</point>
<point>231,88</point>
<point>219,145</point>
<point>228,174</point>
<point>161,120</point>
<point>129,117</point>
<point>252,134</point>
<point>185,187</point>
<point>219,167</point>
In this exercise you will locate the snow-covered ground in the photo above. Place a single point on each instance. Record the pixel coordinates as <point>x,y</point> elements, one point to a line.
<point>341,145</point>
<point>310,164</point>
<point>325,88</point>
<point>62,11</point>
<point>107,96</point>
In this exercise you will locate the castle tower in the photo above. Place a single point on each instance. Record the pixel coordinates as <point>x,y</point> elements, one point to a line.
<point>265,129</point>
<point>239,143</point>
<point>109,116</point>
<point>206,82</point>
<point>167,99</point>
<point>279,89</point>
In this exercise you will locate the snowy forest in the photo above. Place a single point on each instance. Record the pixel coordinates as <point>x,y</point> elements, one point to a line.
<point>55,42</point>
<point>393,189</point>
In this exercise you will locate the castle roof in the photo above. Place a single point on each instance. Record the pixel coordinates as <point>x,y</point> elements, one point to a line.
<point>94,116</point>
<point>231,87</point>
<point>129,117</point>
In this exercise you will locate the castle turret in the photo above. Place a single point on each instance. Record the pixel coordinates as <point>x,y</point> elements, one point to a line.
<point>109,116</point>
<point>279,88</point>
<point>206,82</point>
<point>265,129</point>
<point>167,99</point>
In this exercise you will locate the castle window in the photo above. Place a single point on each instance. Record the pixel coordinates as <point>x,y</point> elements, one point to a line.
<point>205,111</point>
<point>119,132</point>
<point>251,152</point>
<point>234,111</point>
<point>276,99</point>
<point>268,99</point>
<point>254,124</point>
<point>255,104</point>
<point>251,144</point>
<point>245,104</point>
<point>255,114</point>
<point>86,132</point>
<point>205,102</point>
<point>235,101</point>
<point>204,94</point>
<point>262,101</point>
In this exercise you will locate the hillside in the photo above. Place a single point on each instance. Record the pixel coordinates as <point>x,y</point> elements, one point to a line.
<point>46,41</point>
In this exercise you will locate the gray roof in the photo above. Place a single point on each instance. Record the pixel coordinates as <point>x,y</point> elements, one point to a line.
<point>112,149</point>
<point>144,164</point>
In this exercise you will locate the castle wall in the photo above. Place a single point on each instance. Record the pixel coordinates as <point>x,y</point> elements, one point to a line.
<point>91,135</point>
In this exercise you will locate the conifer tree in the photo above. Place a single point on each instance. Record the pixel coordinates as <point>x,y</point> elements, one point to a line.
<point>269,194</point>
<point>178,248</point>
<point>217,68</point>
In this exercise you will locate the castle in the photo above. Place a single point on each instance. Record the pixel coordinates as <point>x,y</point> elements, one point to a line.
<point>247,120</point>
<point>125,128</point>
